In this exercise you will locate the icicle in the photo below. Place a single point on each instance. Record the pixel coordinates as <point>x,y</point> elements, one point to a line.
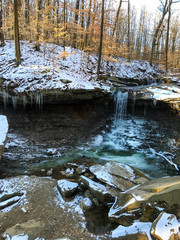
<point>31,96</point>
<point>14,102</point>
<point>154,102</point>
<point>24,101</point>
<point>5,98</point>
<point>133,102</point>
<point>39,98</point>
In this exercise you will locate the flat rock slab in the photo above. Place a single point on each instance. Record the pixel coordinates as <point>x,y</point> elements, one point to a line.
<point>3,133</point>
<point>41,213</point>
<point>98,190</point>
<point>117,175</point>
<point>167,95</point>
<point>159,190</point>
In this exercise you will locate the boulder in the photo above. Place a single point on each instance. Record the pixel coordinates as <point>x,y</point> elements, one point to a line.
<point>139,231</point>
<point>158,190</point>
<point>67,188</point>
<point>86,204</point>
<point>118,175</point>
<point>98,190</point>
<point>3,133</point>
<point>167,222</point>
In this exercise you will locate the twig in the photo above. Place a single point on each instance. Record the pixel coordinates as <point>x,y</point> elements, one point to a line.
<point>169,161</point>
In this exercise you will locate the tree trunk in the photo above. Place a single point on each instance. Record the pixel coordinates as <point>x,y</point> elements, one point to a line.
<point>167,35</point>
<point>165,10</point>
<point>75,24</point>
<point>101,39</point>
<point>16,34</point>
<point>88,24</point>
<point>116,19</point>
<point>64,24</point>
<point>128,54</point>
<point>82,24</point>
<point>1,27</point>
<point>38,19</point>
<point>27,11</point>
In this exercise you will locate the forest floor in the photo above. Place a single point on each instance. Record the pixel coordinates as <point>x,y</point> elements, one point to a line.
<point>52,68</point>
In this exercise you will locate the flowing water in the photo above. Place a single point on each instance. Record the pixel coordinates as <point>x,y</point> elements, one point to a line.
<point>133,139</point>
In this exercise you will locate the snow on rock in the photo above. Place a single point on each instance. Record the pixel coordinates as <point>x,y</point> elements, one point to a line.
<point>141,228</point>
<point>164,226</point>
<point>98,190</point>
<point>3,133</point>
<point>86,204</point>
<point>117,175</point>
<point>47,69</point>
<point>165,92</point>
<point>67,188</point>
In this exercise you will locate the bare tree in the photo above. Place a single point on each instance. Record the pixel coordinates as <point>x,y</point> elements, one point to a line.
<point>75,23</point>
<point>170,2</point>
<point>1,26</point>
<point>16,34</point>
<point>101,39</point>
<point>117,17</point>
<point>164,9</point>
<point>38,25</point>
<point>128,55</point>
<point>88,23</point>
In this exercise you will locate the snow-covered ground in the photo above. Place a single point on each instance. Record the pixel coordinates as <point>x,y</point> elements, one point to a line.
<point>165,92</point>
<point>47,69</point>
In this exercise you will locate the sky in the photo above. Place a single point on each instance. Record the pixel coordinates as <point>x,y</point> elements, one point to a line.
<point>151,5</point>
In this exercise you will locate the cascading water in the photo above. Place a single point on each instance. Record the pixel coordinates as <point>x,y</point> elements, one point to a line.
<point>121,100</point>
<point>114,138</point>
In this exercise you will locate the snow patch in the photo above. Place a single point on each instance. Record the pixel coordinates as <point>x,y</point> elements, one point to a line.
<point>3,129</point>
<point>137,227</point>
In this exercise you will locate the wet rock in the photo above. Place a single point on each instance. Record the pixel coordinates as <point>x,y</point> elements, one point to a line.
<point>98,190</point>
<point>3,133</point>
<point>86,204</point>
<point>155,191</point>
<point>117,175</point>
<point>167,222</point>
<point>67,188</point>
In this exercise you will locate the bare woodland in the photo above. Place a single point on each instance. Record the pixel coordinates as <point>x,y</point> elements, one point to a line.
<point>104,27</point>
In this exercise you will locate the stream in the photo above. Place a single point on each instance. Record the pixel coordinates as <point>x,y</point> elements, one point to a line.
<point>43,139</point>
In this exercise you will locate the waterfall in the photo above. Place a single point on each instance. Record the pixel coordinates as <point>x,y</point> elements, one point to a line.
<point>121,100</point>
